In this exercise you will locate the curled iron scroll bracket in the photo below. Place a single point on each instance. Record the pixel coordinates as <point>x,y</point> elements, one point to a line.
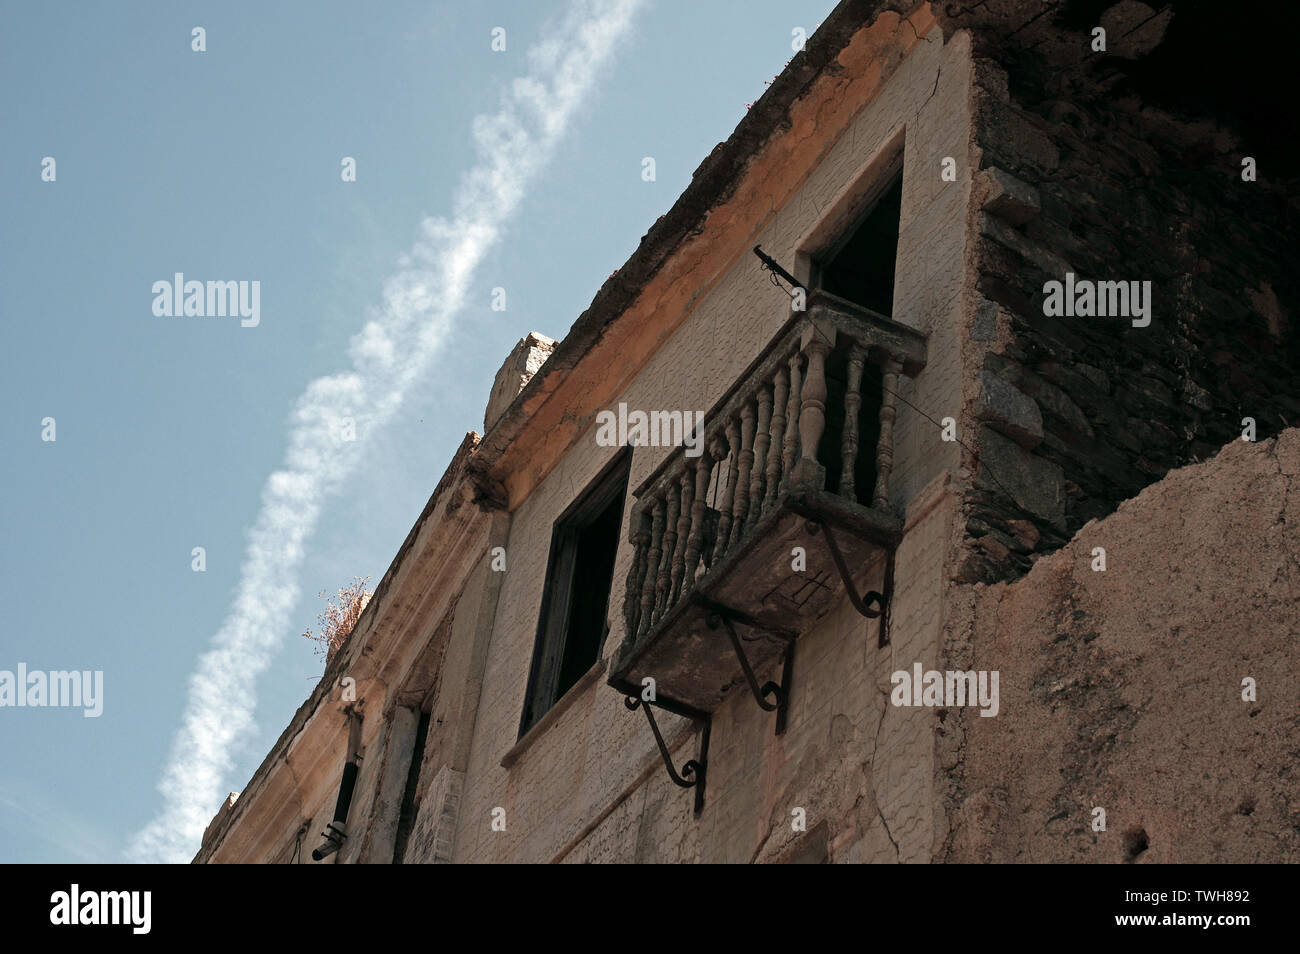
<point>860,603</point>
<point>779,693</point>
<point>692,773</point>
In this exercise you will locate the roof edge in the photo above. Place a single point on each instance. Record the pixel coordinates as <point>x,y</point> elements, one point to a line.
<point>711,184</point>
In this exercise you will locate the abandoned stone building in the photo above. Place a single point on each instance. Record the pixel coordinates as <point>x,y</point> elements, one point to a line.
<point>613,636</point>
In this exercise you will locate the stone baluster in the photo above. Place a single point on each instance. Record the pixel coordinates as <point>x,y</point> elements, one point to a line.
<point>703,465</point>
<point>687,494</point>
<point>885,449</point>
<point>640,540</point>
<point>725,499</point>
<point>665,581</point>
<point>762,440</point>
<point>650,588</point>
<point>852,405</point>
<point>740,508</point>
<point>780,395</point>
<point>791,447</point>
<point>809,473</point>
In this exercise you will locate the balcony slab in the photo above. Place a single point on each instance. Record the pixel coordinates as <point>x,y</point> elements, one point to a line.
<point>770,602</point>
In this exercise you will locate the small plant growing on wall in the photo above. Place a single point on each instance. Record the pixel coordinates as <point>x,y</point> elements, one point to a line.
<point>342,610</point>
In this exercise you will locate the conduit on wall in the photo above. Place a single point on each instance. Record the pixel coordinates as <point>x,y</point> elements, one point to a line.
<point>336,831</point>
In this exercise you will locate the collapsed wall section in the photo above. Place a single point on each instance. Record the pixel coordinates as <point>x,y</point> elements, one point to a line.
<point>1071,414</point>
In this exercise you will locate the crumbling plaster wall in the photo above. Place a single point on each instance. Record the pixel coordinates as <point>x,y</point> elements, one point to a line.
<point>1122,689</point>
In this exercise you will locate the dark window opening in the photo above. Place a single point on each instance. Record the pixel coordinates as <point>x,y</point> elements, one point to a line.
<point>575,602</point>
<point>861,266</point>
<point>406,816</point>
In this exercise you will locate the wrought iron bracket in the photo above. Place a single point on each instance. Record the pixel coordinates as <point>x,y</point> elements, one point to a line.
<point>861,603</point>
<point>693,771</point>
<point>719,616</point>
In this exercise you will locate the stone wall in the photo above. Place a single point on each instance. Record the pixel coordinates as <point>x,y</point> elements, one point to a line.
<point>1074,414</point>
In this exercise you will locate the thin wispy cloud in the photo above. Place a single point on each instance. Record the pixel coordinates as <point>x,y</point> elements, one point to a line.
<point>394,348</point>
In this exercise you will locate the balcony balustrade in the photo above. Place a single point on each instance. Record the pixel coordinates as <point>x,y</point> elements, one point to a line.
<point>798,454</point>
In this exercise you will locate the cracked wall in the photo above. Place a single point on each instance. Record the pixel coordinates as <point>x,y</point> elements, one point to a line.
<point>1122,689</point>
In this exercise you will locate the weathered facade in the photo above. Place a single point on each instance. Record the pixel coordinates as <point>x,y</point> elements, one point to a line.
<point>883,456</point>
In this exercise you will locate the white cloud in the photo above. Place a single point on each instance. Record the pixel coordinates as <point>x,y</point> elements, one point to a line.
<point>395,347</point>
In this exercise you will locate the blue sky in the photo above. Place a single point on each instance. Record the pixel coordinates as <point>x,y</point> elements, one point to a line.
<point>225,165</point>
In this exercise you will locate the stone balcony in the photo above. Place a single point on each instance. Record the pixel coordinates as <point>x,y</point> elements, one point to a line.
<point>797,454</point>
